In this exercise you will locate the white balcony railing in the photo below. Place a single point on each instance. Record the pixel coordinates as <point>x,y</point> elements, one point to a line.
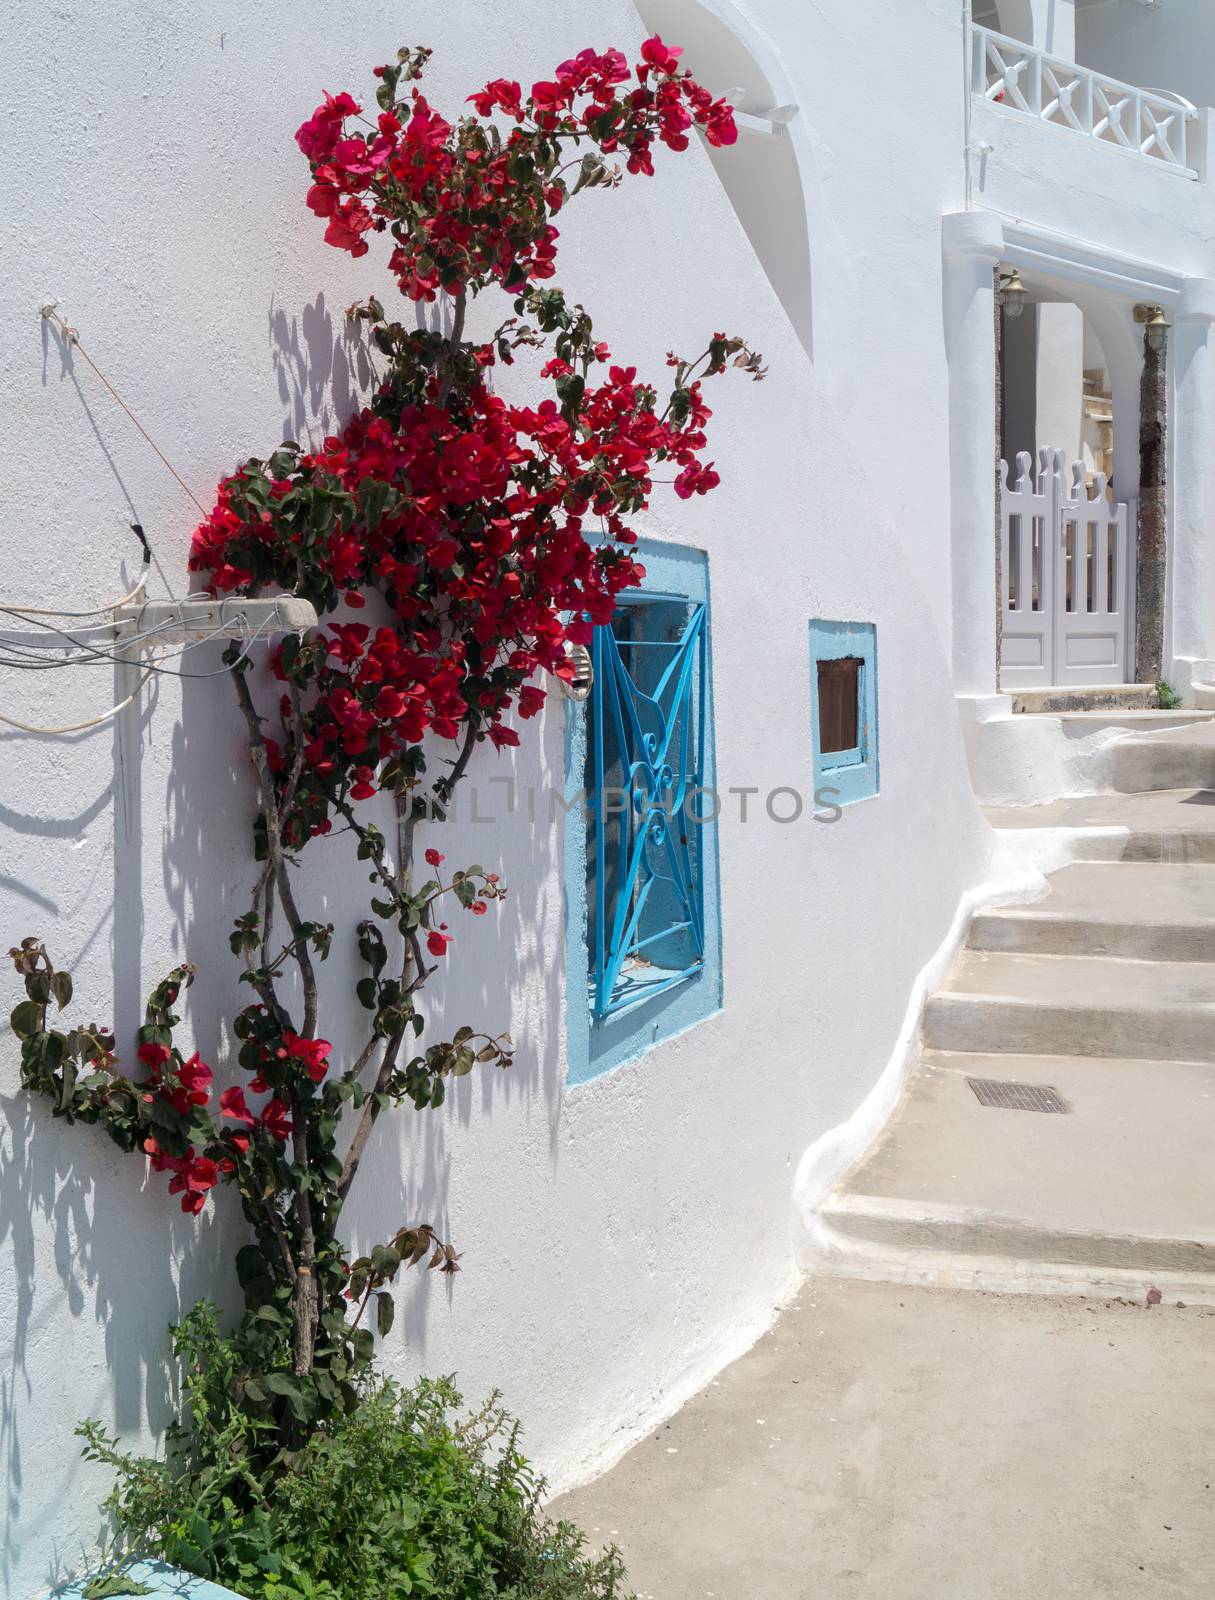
<point>1142,122</point>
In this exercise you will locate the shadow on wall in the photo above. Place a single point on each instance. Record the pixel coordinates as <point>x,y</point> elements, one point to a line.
<point>322,372</point>
<point>86,1234</point>
<point>505,971</point>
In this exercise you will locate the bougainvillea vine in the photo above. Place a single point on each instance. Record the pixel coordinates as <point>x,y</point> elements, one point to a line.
<point>457,543</point>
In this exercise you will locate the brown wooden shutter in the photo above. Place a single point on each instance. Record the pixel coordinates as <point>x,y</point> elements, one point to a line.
<point>839,685</point>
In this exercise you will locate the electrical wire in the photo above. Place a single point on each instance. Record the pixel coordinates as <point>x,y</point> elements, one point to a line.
<point>118,653</point>
<point>91,655</point>
<point>80,727</point>
<point>150,669</point>
<point>23,655</point>
<point>50,313</point>
<point>95,611</point>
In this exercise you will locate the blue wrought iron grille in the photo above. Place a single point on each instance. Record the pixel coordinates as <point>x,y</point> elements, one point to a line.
<point>645,756</point>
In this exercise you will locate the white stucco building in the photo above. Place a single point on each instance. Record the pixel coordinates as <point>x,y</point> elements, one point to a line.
<point>627,1196</point>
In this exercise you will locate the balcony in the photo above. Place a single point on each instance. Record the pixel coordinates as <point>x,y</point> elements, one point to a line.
<point>1145,124</point>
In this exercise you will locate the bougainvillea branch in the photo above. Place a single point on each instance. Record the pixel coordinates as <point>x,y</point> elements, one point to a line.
<point>482,538</point>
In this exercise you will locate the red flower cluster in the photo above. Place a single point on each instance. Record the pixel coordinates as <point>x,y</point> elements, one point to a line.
<point>313,1054</point>
<point>467,206</point>
<point>193,1175</point>
<point>495,534</point>
<point>469,519</point>
<point>187,1085</point>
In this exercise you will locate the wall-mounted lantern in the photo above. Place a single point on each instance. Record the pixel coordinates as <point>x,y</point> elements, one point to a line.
<point>577,688</point>
<point>1155,326</point>
<point>1013,293</point>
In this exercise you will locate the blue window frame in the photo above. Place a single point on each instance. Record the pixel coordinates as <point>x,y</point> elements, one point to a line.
<point>645,888</point>
<point>844,720</point>
<point>644,941</point>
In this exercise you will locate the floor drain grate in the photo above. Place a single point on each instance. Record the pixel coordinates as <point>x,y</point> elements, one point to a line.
<point>1018,1096</point>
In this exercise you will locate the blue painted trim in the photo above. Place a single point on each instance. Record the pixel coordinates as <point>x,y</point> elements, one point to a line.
<point>166,1583</point>
<point>851,774</point>
<point>597,1044</point>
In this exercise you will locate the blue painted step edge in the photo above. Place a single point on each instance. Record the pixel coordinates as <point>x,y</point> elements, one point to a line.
<point>166,1583</point>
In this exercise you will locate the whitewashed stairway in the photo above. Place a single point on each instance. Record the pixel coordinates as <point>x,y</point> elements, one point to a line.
<point>1104,992</point>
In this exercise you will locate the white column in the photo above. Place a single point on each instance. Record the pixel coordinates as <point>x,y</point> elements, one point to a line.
<point>1190,626</point>
<point>973,243</point>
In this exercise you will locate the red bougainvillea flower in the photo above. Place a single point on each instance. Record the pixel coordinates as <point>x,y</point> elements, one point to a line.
<point>193,1177</point>
<point>193,1085</point>
<point>314,1053</point>
<point>275,1120</point>
<point>153,1055</point>
<point>362,788</point>
<point>321,132</point>
<point>437,942</point>
<point>695,479</point>
<point>434,859</point>
<point>232,1104</point>
<point>531,699</point>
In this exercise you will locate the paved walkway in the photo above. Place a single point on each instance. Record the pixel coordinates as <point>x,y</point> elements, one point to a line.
<point>887,1443</point>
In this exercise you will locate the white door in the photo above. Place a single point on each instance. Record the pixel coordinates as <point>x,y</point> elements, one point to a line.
<point>1067,565</point>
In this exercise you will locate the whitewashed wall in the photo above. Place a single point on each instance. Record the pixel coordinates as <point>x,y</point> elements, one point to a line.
<point>1170,46</point>
<point>622,1240</point>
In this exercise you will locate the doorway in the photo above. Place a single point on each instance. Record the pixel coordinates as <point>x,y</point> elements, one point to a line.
<point>1066,545</point>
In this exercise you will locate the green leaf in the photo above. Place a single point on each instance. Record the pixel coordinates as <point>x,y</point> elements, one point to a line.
<point>26,1018</point>
<point>61,988</point>
<point>114,1583</point>
<point>69,1084</point>
<point>384,1312</point>
<point>385,1260</point>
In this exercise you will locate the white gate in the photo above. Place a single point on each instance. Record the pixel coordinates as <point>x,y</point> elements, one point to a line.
<point>1067,577</point>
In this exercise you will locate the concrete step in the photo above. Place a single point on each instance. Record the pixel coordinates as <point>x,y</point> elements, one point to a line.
<point>1075,1005</point>
<point>1171,758</point>
<point>1107,697</point>
<point>1138,910</point>
<point>1165,825</point>
<point>1118,1192</point>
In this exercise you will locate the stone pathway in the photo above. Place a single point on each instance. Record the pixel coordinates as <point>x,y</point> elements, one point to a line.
<point>894,1443</point>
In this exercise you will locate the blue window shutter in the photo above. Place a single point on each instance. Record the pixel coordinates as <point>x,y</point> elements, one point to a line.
<point>649,707</point>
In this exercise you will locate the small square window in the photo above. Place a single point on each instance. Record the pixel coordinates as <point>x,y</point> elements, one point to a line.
<point>843,665</point>
<point>839,708</point>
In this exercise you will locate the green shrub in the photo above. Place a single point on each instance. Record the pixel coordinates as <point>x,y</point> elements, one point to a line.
<point>398,1497</point>
<point>1167,698</point>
